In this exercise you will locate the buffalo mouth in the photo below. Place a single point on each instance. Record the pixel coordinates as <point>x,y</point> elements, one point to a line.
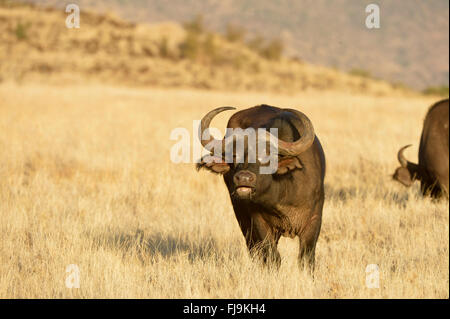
<point>244,191</point>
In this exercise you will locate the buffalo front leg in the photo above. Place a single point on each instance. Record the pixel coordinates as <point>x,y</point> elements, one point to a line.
<point>261,240</point>
<point>431,188</point>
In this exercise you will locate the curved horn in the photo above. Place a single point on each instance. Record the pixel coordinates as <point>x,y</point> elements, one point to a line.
<point>302,144</point>
<point>401,158</point>
<point>204,125</point>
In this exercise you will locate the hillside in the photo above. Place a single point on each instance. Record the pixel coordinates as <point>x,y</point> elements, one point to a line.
<point>411,47</point>
<point>35,45</point>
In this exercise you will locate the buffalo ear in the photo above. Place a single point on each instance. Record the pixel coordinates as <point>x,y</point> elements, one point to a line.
<point>214,164</point>
<point>288,164</point>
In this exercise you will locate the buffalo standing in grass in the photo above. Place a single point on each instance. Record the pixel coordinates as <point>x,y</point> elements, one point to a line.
<point>432,170</point>
<point>288,202</point>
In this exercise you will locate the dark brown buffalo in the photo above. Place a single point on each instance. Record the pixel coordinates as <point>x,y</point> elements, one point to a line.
<point>287,203</point>
<point>432,170</point>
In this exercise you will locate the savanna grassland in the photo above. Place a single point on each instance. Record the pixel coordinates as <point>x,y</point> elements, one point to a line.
<point>86,179</point>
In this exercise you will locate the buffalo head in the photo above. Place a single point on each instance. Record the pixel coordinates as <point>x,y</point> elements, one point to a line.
<point>408,172</point>
<point>244,179</point>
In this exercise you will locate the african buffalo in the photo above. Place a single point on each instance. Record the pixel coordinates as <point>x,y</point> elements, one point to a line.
<point>432,170</point>
<point>287,202</point>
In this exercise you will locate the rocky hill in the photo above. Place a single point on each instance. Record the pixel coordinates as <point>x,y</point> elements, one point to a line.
<point>411,46</point>
<point>35,45</point>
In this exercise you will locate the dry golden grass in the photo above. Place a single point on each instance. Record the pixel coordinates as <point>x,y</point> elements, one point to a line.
<point>86,179</point>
